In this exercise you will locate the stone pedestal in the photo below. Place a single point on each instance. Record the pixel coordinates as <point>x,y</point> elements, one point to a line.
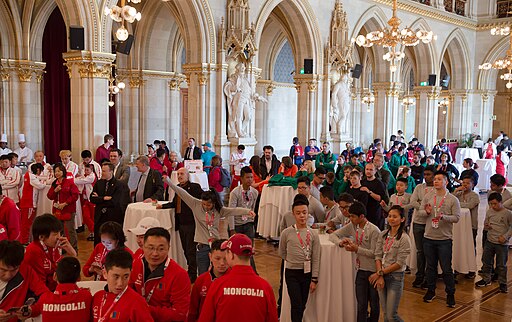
<point>339,141</point>
<point>249,144</point>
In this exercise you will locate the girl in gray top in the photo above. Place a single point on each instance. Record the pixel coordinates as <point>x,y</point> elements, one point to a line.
<point>392,250</point>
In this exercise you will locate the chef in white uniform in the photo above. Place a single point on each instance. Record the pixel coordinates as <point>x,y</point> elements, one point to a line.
<point>24,153</point>
<point>3,145</point>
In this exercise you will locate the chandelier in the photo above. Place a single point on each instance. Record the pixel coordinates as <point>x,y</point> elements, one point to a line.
<point>114,86</point>
<point>505,62</point>
<point>368,99</point>
<point>407,102</point>
<point>444,105</point>
<point>394,39</point>
<point>121,14</point>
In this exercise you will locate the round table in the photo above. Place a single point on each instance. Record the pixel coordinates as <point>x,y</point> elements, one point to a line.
<point>464,153</point>
<point>486,168</point>
<point>335,297</point>
<point>136,211</point>
<point>274,202</point>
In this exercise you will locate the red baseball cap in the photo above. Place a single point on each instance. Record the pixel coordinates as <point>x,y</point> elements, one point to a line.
<point>239,244</point>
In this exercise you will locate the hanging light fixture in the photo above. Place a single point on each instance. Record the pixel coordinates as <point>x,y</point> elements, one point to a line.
<point>394,39</point>
<point>114,86</point>
<point>444,105</point>
<point>505,62</point>
<point>121,14</point>
<point>407,102</point>
<point>368,99</point>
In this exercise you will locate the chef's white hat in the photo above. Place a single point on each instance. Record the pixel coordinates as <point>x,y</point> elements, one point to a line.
<point>21,137</point>
<point>4,138</point>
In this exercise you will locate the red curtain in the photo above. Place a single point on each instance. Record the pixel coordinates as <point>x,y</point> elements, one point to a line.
<point>56,94</point>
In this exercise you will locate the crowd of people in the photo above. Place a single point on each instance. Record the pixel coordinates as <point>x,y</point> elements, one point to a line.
<point>370,202</point>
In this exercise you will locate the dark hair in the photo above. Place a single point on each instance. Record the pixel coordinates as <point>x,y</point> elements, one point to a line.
<point>471,163</point>
<point>109,165</point>
<point>163,142</point>
<point>295,140</point>
<point>118,258</point>
<point>320,170</point>
<point>443,140</point>
<point>158,232</point>
<point>115,230</point>
<point>119,152</point>
<point>468,176</point>
<point>268,147</point>
<point>12,155</point>
<point>216,161</point>
<point>430,168</point>
<point>86,154</point>
<point>300,202</point>
<point>44,225</point>
<point>402,224</point>
<point>447,155</point>
<point>240,147</point>
<point>392,138</point>
<point>254,162</point>
<point>299,197</point>
<point>499,148</point>
<point>104,160</point>
<point>5,157</point>
<point>216,245</point>
<point>444,174</point>
<point>36,166</point>
<point>157,142</point>
<point>213,197</point>
<point>348,166</point>
<point>68,270</point>
<point>287,162</point>
<point>107,137</point>
<point>498,179</point>
<point>62,168</point>
<point>327,192</point>
<point>403,180</point>
<point>357,208</point>
<point>346,197</point>
<point>495,196</point>
<point>11,253</point>
<point>304,179</point>
<point>193,139</point>
<point>160,152</point>
<point>244,171</point>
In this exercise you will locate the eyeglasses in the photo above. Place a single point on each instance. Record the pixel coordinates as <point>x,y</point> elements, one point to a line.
<point>156,249</point>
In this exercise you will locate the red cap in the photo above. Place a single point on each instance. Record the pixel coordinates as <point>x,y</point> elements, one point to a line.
<point>238,244</point>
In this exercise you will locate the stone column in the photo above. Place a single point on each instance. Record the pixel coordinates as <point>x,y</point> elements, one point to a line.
<point>427,114</point>
<point>486,113</point>
<point>128,104</point>
<point>356,116</point>
<point>387,111</point>
<point>89,73</point>
<point>460,116</point>
<point>307,109</point>
<point>175,113</point>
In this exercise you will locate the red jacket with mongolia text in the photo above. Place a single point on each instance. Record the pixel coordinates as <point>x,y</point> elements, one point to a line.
<point>167,287</point>
<point>130,307</point>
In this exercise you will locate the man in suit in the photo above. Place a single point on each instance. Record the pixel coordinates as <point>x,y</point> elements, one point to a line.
<point>111,197</point>
<point>192,152</point>
<point>269,164</point>
<point>150,186</point>
<point>121,170</point>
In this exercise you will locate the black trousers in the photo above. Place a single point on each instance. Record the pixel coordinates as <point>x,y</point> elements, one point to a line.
<point>298,289</point>
<point>189,248</point>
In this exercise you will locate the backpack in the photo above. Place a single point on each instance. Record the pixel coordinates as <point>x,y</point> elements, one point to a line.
<point>225,177</point>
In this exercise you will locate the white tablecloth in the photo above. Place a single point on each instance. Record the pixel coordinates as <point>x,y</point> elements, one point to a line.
<point>486,168</point>
<point>335,297</point>
<point>44,205</point>
<point>139,210</point>
<point>200,178</point>
<point>274,202</point>
<point>464,153</point>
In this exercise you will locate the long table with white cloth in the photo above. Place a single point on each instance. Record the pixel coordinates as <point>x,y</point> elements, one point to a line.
<point>335,297</point>
<point>464,153</point>
<point>274,202</point>
<point>486,168</point>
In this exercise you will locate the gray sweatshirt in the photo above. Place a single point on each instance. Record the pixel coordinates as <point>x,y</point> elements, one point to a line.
<point>366,250</point>
<point>288,219</point>
<point>238,198</point>
<point>403,201</point>
<point>291,250</point>
<point>332,212</point>
<point>202,234</point>
<point>500,223</point>
<point>417,196</point>
<point>399,249</point>
<point>471,201</point>
<point>316,209</point>
<point>450,209</point>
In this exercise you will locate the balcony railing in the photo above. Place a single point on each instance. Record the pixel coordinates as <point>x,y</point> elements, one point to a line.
<point>455,6</point>
<point>504,9</point>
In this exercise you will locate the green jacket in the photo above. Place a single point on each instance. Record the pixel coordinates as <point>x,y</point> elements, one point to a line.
<point>397,160</point>
<point>326,159</point>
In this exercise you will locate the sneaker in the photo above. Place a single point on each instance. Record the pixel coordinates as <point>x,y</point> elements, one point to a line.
<point>470,275</point>
<point>407,270</point>
<point>450,300</point>
<point>429,296</point>
<point>424,286</point>
<point>90,237</point>
<point>503,288</point>
<point>482,283</point>
<point>417,283</point>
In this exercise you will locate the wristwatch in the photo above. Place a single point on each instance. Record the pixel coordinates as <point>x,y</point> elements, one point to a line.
<point>380,273</point>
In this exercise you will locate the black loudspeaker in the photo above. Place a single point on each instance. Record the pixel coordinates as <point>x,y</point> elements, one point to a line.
<point>125,46</point>
<point>76,38</point>
<point>308,66</point>
<point>445,81</point>
<point>356,72</point>
<point>432,80</point>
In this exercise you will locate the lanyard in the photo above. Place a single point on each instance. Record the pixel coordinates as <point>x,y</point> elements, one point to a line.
<point>153,289</point>
<point>209,223</point>
<point>388,244</point>
<point>47,253</point>
<point>436,207</point>
<point>101,262</point>
<point>118,297</point>
<point>329,212</point>
<point>359,241</point>
<point>307,247</point>
<point>401,200</point>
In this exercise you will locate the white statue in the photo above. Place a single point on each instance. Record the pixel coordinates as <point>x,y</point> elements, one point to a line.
<point>340,104</point>
<point>241,97</point>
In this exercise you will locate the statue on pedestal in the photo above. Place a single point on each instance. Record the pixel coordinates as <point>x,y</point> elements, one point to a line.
<point>340,104</point>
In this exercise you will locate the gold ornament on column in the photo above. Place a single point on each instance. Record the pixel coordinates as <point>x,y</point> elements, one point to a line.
<point>121,14</point>
<point>505,62</point>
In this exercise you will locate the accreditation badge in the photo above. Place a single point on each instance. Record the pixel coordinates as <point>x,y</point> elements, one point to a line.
<point>307,267</point>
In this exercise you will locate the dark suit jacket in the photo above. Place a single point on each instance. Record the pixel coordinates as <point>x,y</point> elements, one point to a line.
<point>186,217</point>
<point>154,187</point>
<point>113,209</point>
<point>123,173</point>
<point>196,154</point>
<point>273,170</point>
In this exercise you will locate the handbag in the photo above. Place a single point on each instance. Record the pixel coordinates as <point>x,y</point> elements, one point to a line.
<point>62,216</point>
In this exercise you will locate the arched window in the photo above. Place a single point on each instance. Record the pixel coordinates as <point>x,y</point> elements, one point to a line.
<point>285,65</point>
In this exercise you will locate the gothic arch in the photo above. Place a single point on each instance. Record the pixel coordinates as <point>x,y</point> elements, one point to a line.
<point>457,49</point>
<point>273,37</point>
<point>11,32</point>
<point>487,79</point>
<point>427,52</point>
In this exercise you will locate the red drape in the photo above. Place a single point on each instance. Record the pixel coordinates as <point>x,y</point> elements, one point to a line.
<point>56,95</point>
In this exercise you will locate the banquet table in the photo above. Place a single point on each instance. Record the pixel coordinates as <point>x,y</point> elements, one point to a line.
<point>486,168</point>
<point>275,201</point>
<point>335,297</point>
<point>137,211</point>
<point>464,153</point>
<point>200,178</point>
<point>463,253</point>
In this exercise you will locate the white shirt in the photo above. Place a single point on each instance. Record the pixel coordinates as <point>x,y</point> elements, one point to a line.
<point>5,151</point>
<point>24,155</point>
<point>10,181</point>
<point>478,144</point>
<point>96,166</point>
<point>498,139</point>
<point>72,168</point>
<point>234,161</point>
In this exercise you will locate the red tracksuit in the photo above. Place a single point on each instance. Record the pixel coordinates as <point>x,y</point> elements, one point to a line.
<point>241,293</point>
<point>67,302</point>
<point>10,218</point>
<point>130,308</point>
<point>139,254</point>
<point>167,289</point>
<point>28,203</point>
<point>98,257</point>
<point>87,184</point>
<point>43,261</point>
<point>199,291</point>
<point>17,288</point>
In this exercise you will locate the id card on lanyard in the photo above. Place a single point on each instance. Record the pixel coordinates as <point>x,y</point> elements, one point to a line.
<point>359,241</point>
<point>387,247</point>
<point>209,223</point>
<point>103,317</point>
<point>437,211</point>
<point>148,298</point>
<point>306,248</point>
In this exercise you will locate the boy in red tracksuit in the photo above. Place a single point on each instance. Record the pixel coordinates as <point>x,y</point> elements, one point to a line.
<point>68,302</point>
<point>20,279</point>
<point>241,294</point>
<point>160,280</point>
<point>28,202</point>
<point>142,226</point>
<point>9,217</point>
<point>119,302</point>
<point>85,184</point>
<point>205,280</point>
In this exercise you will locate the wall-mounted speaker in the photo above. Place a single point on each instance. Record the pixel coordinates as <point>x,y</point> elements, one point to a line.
<point>76,38</point>
<point>125,46</point>
<point>432,80</point>
<point>356,72</point>
<point>308,66</point>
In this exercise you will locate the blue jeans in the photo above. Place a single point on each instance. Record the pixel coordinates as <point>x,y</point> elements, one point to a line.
<point>501,252</point>
<point>419,230</point>
<point>439,251</point>
<point>248,230</point>
<point>390,295</point>
<point>202,258</point>
<point>366,292</point>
